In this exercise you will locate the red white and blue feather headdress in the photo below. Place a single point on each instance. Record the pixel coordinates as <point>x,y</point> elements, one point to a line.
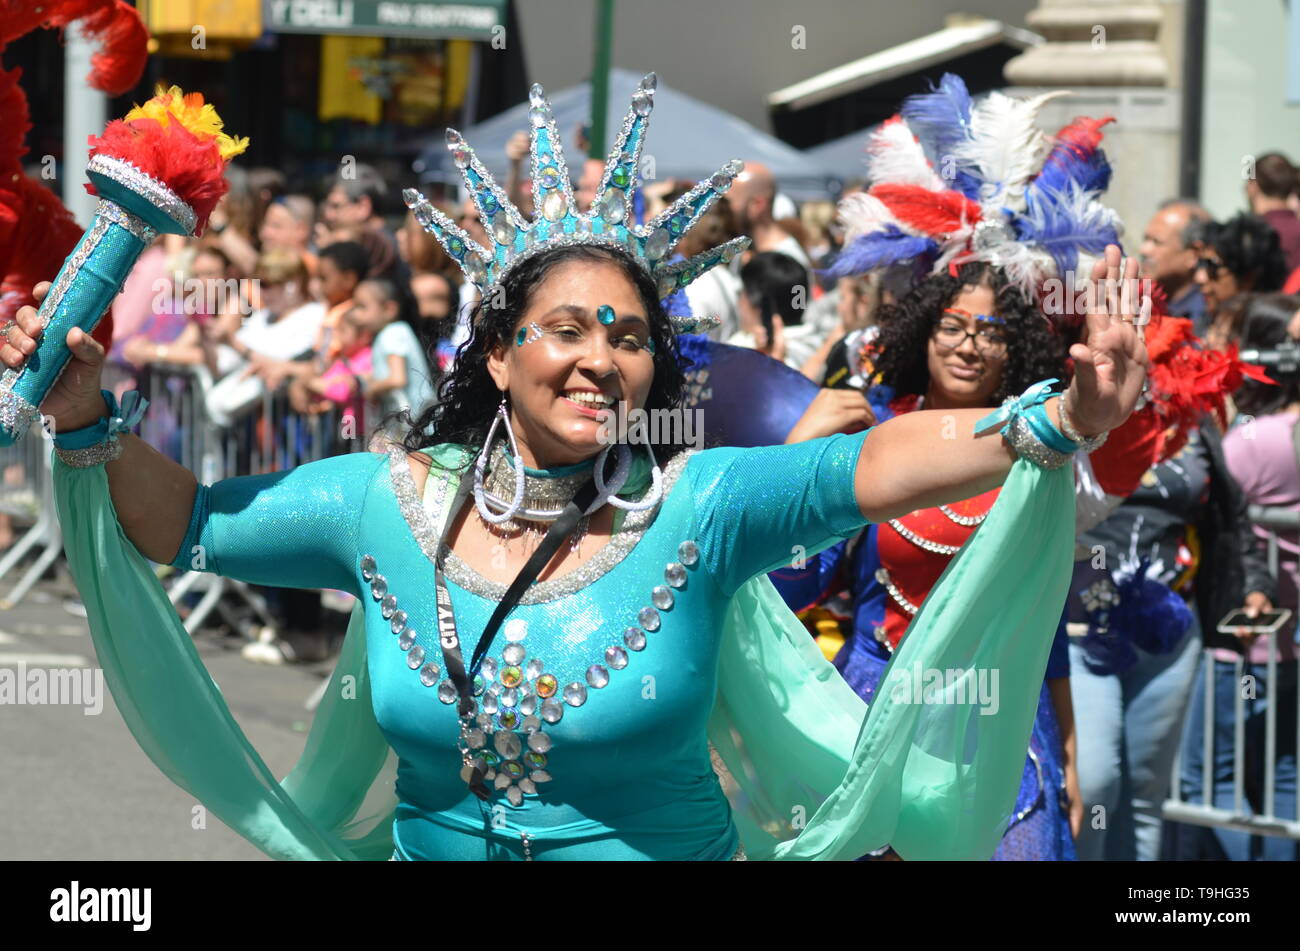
<point>954,182</point>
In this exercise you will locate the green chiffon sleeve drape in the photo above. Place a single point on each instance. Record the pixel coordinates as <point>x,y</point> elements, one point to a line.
<point>816,775</point>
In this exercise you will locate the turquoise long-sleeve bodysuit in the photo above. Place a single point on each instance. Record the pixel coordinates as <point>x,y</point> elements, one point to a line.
<point>625,771</point>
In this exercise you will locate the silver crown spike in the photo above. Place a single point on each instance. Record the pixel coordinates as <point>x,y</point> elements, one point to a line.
<point>514,238</point>
<point>461,153</point>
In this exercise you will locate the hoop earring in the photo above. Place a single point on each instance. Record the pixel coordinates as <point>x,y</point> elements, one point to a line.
<point>624,465</point>
<point>479,501</point>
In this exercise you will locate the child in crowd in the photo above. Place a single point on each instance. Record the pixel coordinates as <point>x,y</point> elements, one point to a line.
<point>340,384</point>
<point>436,301</point>
<point>400,377</point>
<point>340,268</point>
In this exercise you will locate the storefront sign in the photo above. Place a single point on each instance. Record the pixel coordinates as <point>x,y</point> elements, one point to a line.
<point>475,19</point>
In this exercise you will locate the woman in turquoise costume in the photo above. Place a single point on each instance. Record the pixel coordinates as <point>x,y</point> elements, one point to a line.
<point>650,654</point>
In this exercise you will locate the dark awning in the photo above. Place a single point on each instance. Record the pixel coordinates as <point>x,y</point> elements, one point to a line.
<point>467,19</point>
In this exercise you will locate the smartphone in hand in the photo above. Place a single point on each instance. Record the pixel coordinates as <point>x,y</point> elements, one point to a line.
<point>1265,623</point>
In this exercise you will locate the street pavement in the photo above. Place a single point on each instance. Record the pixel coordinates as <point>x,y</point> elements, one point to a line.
<point>80,787</point>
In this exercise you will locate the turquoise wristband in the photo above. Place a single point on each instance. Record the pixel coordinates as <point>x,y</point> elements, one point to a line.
<point>119,419</point>
<point>1042,426</point>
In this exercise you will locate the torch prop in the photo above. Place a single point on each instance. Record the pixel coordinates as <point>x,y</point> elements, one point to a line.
<point>159,169</point>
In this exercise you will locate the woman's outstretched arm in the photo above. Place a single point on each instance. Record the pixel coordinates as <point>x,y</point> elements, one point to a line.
<point>928,458</point>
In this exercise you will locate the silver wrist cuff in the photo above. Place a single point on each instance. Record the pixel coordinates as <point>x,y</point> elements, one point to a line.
<point>96,455</point>
<point>1028,446</point>
<point>1072,434</point>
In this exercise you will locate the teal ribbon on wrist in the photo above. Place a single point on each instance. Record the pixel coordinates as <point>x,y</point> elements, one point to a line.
<point>1047,432</point>
<point>122,418</point>
<point>1002,417</point>
<point>1029,405</point>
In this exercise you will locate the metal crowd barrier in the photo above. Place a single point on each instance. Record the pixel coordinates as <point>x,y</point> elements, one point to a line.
<point>1242,816</point>
<point>27,502</point>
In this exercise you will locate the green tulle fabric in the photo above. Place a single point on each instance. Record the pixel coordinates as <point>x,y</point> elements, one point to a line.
<point>812,773</point>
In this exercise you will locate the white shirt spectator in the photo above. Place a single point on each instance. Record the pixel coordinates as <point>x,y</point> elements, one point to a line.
<point>288,338</point>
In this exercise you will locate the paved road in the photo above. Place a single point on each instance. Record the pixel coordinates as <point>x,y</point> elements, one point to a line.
<point>79,787</point>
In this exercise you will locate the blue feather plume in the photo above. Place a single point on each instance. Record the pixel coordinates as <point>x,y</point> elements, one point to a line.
<point>940,119</point>
<point>1065,222</point>
<point>693,349</point>
<point>1147,615</point>
<point>1065,166</point>
<point>875,248</point>
<point>1151,613</point>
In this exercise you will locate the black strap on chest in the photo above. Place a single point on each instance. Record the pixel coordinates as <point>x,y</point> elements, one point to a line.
<point>448,637</point>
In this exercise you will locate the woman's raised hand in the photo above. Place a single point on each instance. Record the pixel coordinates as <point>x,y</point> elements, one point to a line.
<point>1110,365</point>
<point>833,411</point>
<point>75,400</point>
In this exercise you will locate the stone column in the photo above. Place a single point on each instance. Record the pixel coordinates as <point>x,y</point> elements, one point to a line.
<point>1093,43</point>
<point>1120,58</point>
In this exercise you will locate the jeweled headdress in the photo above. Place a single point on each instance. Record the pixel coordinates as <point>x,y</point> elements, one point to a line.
<point>609,221</point>
<point>954,182</point>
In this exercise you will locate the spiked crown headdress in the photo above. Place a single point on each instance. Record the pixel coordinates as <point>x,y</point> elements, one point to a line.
<point>609,220</point>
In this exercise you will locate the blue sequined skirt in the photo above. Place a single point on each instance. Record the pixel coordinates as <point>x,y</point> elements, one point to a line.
<point>1040,823</point>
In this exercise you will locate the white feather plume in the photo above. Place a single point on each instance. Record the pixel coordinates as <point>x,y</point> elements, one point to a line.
<point>1006,145</point>
<point>860,213</point>
<point>1025,266</point>
<point>895,156</point>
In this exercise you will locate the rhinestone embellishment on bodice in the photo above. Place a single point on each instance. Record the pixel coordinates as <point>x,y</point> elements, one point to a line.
<point>516,696</point>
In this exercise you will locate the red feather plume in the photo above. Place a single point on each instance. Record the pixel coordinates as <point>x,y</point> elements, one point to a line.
<point>186,164</point>
<point>930,212</point>
<point>122,37</point>
<point>36,231</point>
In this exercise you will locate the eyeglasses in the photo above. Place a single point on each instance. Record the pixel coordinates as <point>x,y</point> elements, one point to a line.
<point>1210,265</point>
<point>949,335</point>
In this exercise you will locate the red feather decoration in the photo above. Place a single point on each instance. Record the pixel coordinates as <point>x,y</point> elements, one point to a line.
<point>34,254</point>
<point>932,213</point>
<point>1187,380</point>
<point>1083,135</point>
<point>189,166</point>
<point>36,231</point>
<point>121,34</point>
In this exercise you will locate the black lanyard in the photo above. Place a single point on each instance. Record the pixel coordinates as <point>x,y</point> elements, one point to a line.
<point>453,659</point>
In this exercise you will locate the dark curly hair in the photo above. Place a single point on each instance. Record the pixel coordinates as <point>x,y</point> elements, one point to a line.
<point>1251,250</point>
<point>467,397</point>
<point>1034,351</point>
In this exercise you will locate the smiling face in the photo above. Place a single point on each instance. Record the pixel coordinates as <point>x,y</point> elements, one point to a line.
<point>561,385</point>
<point>961,373</point>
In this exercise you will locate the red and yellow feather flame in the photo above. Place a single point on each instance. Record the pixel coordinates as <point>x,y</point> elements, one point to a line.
<point>176,139</point>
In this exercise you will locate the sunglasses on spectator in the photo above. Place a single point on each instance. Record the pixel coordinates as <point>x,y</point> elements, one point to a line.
<point>1210,265</point>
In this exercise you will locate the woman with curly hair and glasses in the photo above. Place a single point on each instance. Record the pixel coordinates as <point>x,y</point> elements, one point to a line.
<point>954,342</point>
<point>561,633</point>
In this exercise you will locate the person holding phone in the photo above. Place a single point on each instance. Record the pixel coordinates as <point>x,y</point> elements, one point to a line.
<point>1170,561</point>
<point>1261,454</point>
